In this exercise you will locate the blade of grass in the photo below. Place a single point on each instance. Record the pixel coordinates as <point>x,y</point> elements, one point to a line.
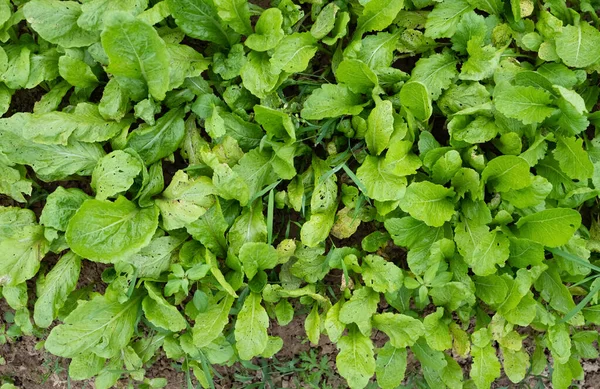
<point>573,258</point>
<point>270,209</point>
<point>581,304</point>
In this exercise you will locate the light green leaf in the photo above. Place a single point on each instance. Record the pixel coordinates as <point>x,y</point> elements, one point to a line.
<point>559,342</point>
<point>550,227</point>
<point>160,312</point>
<point>56,22</point>
<point>312,325</point>
<point>104,231</point>
<point>377,15</point>
<point>76,72</point>
<point>331,100</point>
<point>100,326</point>
<point>416,99</point>
<point>359,309</point>
<point>573,159</point>
<point>276,123</point>
<point>507,172</point>
<point>294,52</point>
<point>155,258</point>
<point>381,275</point>
<point>22,253</point>
<point>258,76</point>
<point>210,229</point>
<point>491,249</point>
<point>250,226</point>
<point>380,180</point>
<point>114,174</point>
<point>251,328</point>
<point>185,200</point>
<point>209,324</point>
<point>355,360</point>
<point>156,142</point>
<point>256,256</point>
<point>380,126</point>
<point>485,367</point>
<point>390,366</point>
<point>437,333</point>
<point>428,202</point>
<point>235,14</point>
<point>356,75</point>
<point>442,21</point>
<point>135,51</point>
<point>54,288</point>
<point>528,104</point>
<point>200,19</point>
<point>402,330</point>
<point>436,72</point>
<point>268,31</point>
<point>578,46</point>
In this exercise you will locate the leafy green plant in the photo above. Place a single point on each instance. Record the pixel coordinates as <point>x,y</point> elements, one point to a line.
<point>438,159</point>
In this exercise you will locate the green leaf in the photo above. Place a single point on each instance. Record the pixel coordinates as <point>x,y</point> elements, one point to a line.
<point>256,256</point>
<point>428,202</point>
<point>380,126</point>
<point>114,174</point>
<point>359,309</point>
<point>276,123</point>
<point>528,104</point>
<point>402,330</point>
<point>208,325</point>
<point>210,229</point>
<point>559,342</point>
<point>356,75</point>
<point>381,275</point>
<point>379,179</point>
<point>268,31</point>
<point>550,227</point>
<point>155,258</point>
<point>377,15</point>
<point>104,231</point>
<point>56,22</point>
<point>84,124</point>
<point>185,200</point>
<point>390,366</point>
<point>516,364</point>
<point>156,142</point>
<point>573,159</point>
<point>258,75</point>
<point>54,288</point>
<point>355,360</point>
<point>60,207</point>
<point>507,172</point>
<point>578,46</point>
<point>251,328</point>
<point>436,72</point>
<point>135,51</point>
<point>200,19</point>
<point>235,14</point>
<point>22,253</point>
<point>312,325</point>
<point>485,367</point>
<point>331,100</point>
<point>250,226</point>
<point>159,312</point>
<point>442,21</point>
<point>76,72</point>
<point>491,249</point>
<point>100,326</point>
<point>294,52</point>
<point>416,99</point>
<point>437,333</point>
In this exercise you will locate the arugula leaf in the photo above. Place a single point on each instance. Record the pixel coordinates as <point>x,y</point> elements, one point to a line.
<point>54,289</point>
<point>104,231</point>
<point>200,19</point>
<point>550,227</point>
<point>136,52</point>
<point>355,361</point>
<point>100,326</point>
<point>577,46</point>
<point>251,327</point>
<point>428,202</point>
<point>331,100</point>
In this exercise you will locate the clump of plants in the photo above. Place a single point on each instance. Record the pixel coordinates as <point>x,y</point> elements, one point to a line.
<point>427,169</point>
